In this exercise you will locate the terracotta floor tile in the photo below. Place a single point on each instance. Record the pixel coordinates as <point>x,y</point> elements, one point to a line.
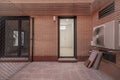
<point>59,71</point>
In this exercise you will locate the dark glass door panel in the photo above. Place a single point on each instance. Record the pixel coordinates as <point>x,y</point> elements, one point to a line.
<point>11,37</point>
<point>14,36</point>
<point>25,39</point>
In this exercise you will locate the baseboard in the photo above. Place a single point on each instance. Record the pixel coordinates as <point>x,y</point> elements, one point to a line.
<point>82,58</point>
<point>45,58</point>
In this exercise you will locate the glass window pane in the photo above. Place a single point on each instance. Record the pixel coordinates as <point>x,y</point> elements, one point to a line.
<point>25,38</point>
<point>11,37</point>
<point>66,37</point>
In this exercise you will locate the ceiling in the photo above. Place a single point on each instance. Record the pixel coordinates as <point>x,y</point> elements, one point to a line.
<point>50,7</point>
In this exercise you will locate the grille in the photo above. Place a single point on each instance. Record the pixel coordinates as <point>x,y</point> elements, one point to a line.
<point>107,10</point>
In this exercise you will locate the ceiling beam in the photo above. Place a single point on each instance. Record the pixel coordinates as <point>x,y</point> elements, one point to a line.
<point>51,7</point>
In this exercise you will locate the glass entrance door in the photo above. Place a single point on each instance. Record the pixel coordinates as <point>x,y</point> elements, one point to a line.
<point>16,37</point>
<point>66,37</point>
<point>11,38</point>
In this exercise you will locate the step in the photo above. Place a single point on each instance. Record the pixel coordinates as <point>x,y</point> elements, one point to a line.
<point>67,60</point>
<point>13,59</point>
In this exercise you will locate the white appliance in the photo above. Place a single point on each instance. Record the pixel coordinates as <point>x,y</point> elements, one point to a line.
<point>107,35</point>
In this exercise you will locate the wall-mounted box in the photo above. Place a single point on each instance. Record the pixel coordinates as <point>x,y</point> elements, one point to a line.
<point>107,35</point>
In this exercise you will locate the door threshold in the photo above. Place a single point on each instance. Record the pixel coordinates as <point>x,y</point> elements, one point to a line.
<point>5,59</point>
<point>67,60</point>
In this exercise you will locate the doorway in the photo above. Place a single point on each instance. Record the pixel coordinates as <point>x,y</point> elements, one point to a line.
<point>15,37</point>
<point>67,37</point>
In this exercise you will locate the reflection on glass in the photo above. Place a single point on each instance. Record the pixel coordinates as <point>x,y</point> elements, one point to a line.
<point>62,27</point>
<point>22,37</point>
<point>15,38</point>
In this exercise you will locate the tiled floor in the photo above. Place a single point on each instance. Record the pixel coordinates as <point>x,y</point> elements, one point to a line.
<point>8,69</point>
<point>59,71</point>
